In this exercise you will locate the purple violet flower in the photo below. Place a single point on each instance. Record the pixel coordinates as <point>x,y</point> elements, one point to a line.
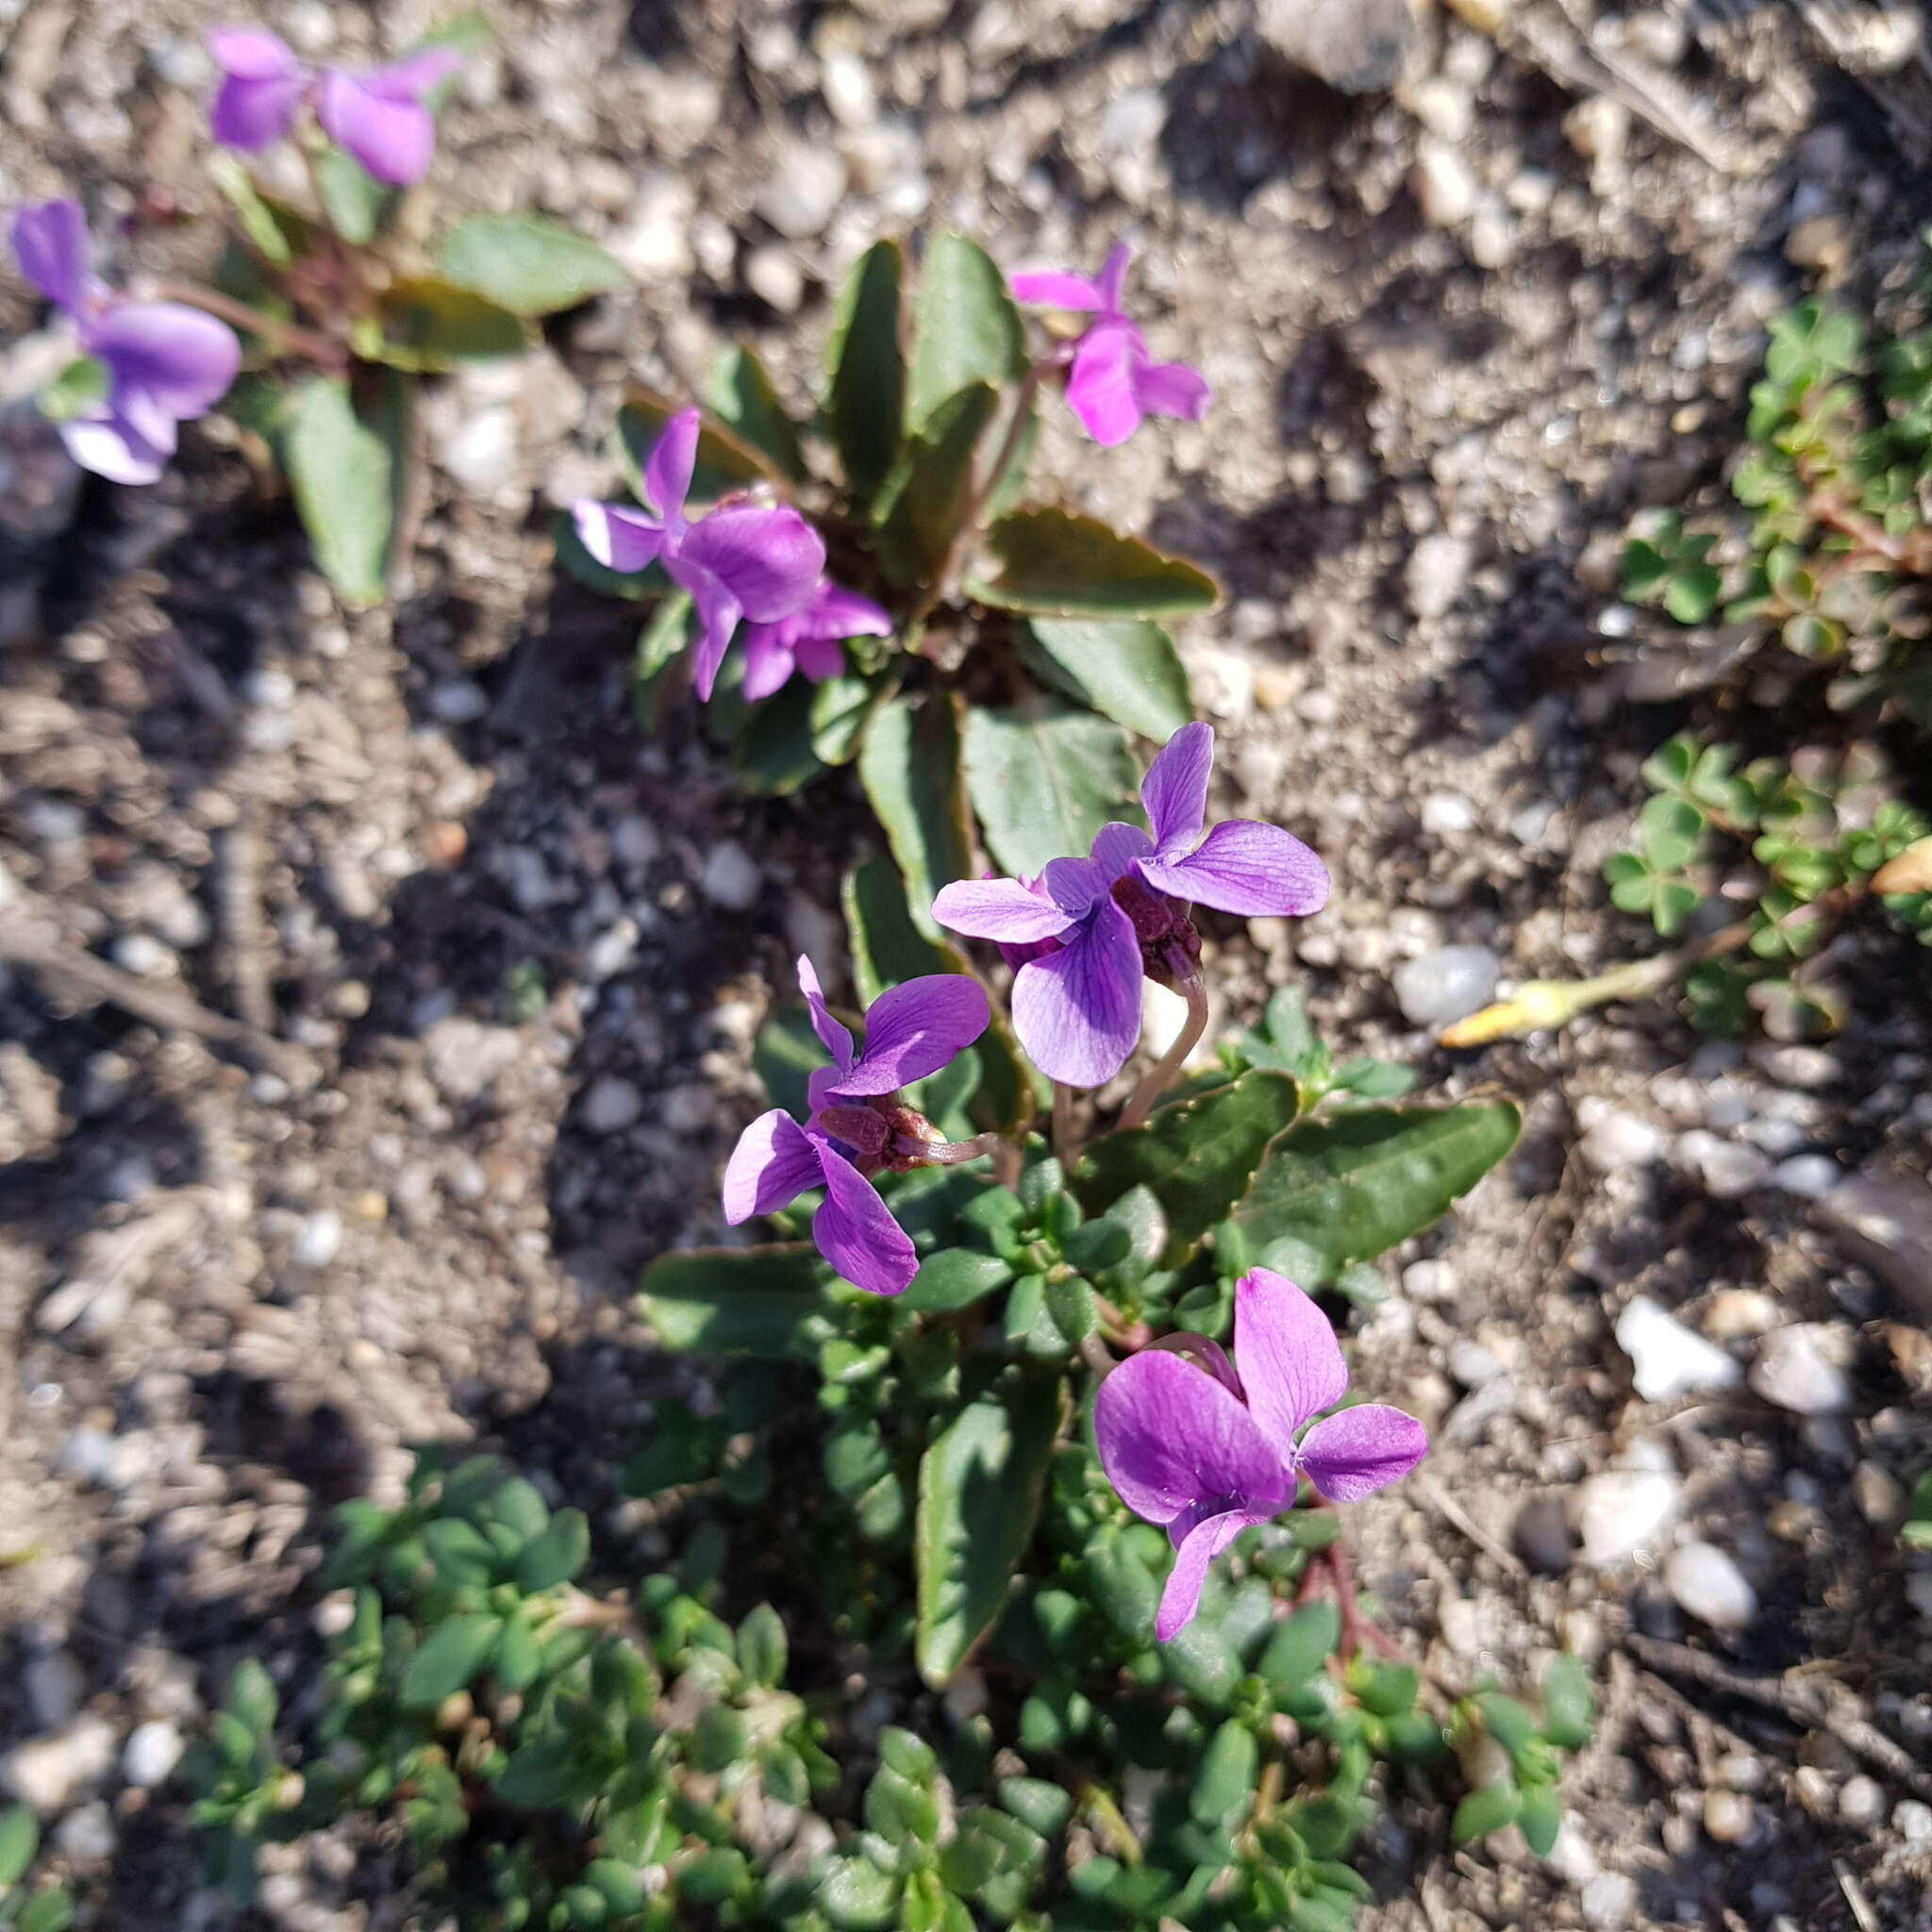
<point>380,114</point>
<point>1113,380</point>
<point>1207,1447</point>
<point>809,640</point>
<point>166,363</point>
<point>859,1127</point>
<point>740,560</point>
<point>1123,912</point>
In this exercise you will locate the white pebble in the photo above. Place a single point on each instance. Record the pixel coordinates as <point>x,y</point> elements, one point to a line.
<point>459,701</point>
<point>1912,1820</point>
<point>1668,1359</point>
<point>1443,187</point>
<point>1447,984</point>
<point>1608,1901</point>
<point>1437,568</point>
<point>46,1773</point>
<point>153,1751</point>
<point>1705,1583</point>
<point>773,276</point>
<point>1863,1801</point>
<point>1428,1281</point>
<point>730,879</point>
<point>1810,1176</point>
<point>1801,1369</point>
<point>1617,1140</point>
<point>1445,812</point>
<point>1621,1511</point>
<point>316,1243</point>
<point>1726,1169</point>
<point>611,1105</point>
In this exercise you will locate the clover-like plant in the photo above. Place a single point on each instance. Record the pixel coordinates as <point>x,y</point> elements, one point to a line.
<point>986,659</point>
<point>324,307</point>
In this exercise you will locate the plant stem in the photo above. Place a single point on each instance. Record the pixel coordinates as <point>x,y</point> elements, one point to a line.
<point>288,337</point>
<point>1009,443</point>
<point>1157,1078</point>
<point>1066,1146</point>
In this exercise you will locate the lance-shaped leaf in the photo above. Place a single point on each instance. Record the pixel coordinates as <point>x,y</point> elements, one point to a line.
<point>967,329</point>
<point>924,500</point>
<point>980,1485</point>
<point>1127,667</point>
<point>1197,1157</point>
<point>265,225</point>
<point>1043,778</point>
<point>529,266</point>
<point>743,397</point>
<point>356,204</point>
<point>773,751</point>
<point>765,1302</point>
<point>1053,563</point>
<point>341,471</point>
<point>429,326</point>
<point>725,461</point>
<point>865,365</point>
<point>1350,1187</point>
<point>910,766</point>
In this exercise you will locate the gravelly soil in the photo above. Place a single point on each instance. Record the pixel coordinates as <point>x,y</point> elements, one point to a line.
<point>516,953</point>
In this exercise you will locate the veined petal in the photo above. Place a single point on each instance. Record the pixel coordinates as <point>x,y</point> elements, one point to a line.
<point>119,447</point>
<point>1357,1451</point>
<point>998,909</point>
<point>1100,387</point>
<point>818,659</point>
<point>415,75</point>
<point>1175,788</point>
<point>1077,1011</point>
<point>718,615</point>
<point>393,137</point>
<point>1113,276</point>
<point>775,1161</point>
<point>668,468</point>
<point>1116,846</point>
<point>253,53</point>
<point>769,559</point>
<point>1172,389</point>
<point>1181,1597</point>
<point>1049,289</point>
<point>1075,885</point>
<point>1290,1363</point>
<point>1244,866</point>
<point>833,1036</point>
<point>52,245</point>
<point>1206,1353</point>
<point>834,614</point>
<point>771,656</point>
<point>183,358</point>
<point>619,537</point>
<point>1174,1438</point>
<point>251,114</point>
<point>917,1028</point>
<point>856,1234</point>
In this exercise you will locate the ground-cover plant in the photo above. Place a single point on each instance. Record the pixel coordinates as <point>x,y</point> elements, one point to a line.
<point>985,660</point>
<point>1010,1585</point>
<point>25,1908</point>
<point>325,310</point>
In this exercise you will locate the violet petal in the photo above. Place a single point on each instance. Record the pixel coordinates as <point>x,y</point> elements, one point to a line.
<point>1290,1363</point>
<point>1181,1597</point>
<point>253,53</point>
<point>1175,788</point>
<point>120,447</point>
<point>1357,1451</point>
<point>833,1034</point>
<point>834,614</point>
<point>393,139</point>
<point>1077,1011</point>
<point>51,243</point>
<point>1050,289</point>
<point>669,467</point>
<point>775,1161</point>
<point>1100,387</point>
<point>769,559</point>
<point>251,115</point>
<point>1245,867</point>
<point>856,1234</point>
<point>619,537</point>
<point>1171,389</point>
<point>1113,274</point>
<point>718,612</point>
<point>1116,846</point>
<point>771,656</point>
<point>917,1028</point>
<point>182,358</point>
<point>818,657</point>
<point>998,909</point>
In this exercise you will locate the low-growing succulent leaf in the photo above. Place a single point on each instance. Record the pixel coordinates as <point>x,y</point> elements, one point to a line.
<point>428,325</point>
<point>358,205</point>
<point>954,1279</point>
<point>528,265</point>
<point>1568,1709</point>
<point>20,1839</point>
<point>1484,1811</point>
<point>738,1301</point>
<point>1541,1818</point>
<point>1301,1643</point>
<point>1224,1783</point>
<point>455,1653</point>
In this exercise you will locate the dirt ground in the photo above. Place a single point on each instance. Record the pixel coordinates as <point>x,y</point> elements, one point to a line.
<point>514,952</point>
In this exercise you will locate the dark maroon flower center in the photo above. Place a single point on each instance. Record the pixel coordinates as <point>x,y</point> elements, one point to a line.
<point>1169,947</point>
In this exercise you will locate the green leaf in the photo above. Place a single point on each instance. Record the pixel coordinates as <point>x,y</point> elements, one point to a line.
<point>1043,778</point>
<point>557,1555</point>
<point>736,1301</point>
<point>20,1839</point>
<point>1197,1157</point>
<point>909,767</point>
<point>1123,1589</point>
<point>260,222</point>
<point>966,329</point>
<point>725,462</point>
<point>79,390</point>
<point>456,1652</point>
<point>1225,1783</point>
<point>743,397</point>
<point>1568,1709</point>
<point>1301,1643</point>
<point>1541,1819</point>
<point>980,1485</point>
<point>47,1911</point>
<point>865,394</point>
<point>1125,667</point>
<point>1484,1811</point>
<point>925,499</point>
<point>356,204</point>
<point>774,752</point>
<point>1693,593</point>
<point>1039,1806</point>
<point>952,1279</point>
<point>712,1876</point>
<point>251,1696</point>
<point>429,325</point>
<point>341,472</point>
<point>857,1896</point>
<point>1052,563</point>
<point>1351,1186</point>
<point>529,266</point>
<point>719,1739</point>
<point>762,1647</point>
<point>538,1773</point>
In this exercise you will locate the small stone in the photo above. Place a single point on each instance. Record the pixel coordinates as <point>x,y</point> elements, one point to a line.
<point>806,184</point>
<point>1861,1802</point>
<point>1447,984</point>
<point>459,701</point>
<point>1728,1816</point>
<point>479,450</point>
<point>1444,813</point>
<point>317,1240</point>
<point>611,1105</point>
<point>1879,1494</point>
<point>655,243</point>
<point>1437,569</point>
<point>145,957</point>
<point>1810,1176</point>
<point>152,1752</point>
<point>1608,1901</point>
<point>1432,1280</point>
<point>463,1058</point>
<point>1543,1536</point>
<point>87,1834</point>
<point>1801,1369</point>
<point>1621,1511</point>
<point>1359,47</point>
<point>1726,1169</point>
<point>773,276</point>
<point>1617,1140</point>
<point>1471,1364</point>
<point>1886,1222</point>
<point>1668,1359</point>
<point>1808,1068</point>
<point>1705,1583</point>
<point>729,877</point>
<point>1444,108</point>
<point>46,1773</point>
<point>55,1686</point>
<point>1738,1313</point>
<point>1571,1858</point>
<point>1443,186</point>
<point>846,83</point>
<point>1912,1820</point>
